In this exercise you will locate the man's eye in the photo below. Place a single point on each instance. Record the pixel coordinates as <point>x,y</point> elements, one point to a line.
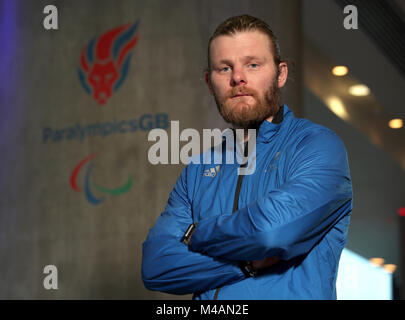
<point>224,69</point>
<point>254,65</point>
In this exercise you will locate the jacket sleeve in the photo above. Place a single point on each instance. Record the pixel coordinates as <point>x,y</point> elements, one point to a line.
<point>290,220</point>
<point>168,265</point>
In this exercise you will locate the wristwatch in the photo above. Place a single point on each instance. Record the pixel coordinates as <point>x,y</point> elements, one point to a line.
<point>248,269</point>
<point>189,232</point>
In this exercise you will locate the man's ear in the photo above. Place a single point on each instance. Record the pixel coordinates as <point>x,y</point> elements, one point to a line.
<point>283,74</point>
<point>208,81</point>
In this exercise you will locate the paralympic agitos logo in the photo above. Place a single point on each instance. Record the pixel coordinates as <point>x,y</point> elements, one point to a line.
<point>104,61</point>
<point>90,185</point>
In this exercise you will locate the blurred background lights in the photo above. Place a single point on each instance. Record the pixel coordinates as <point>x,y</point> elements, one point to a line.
<point>340,71</point>
<point>395,123</point>
<point>359,90</point>
<point>390,267</point>
<point>337,107</point>
<point>377,261</point>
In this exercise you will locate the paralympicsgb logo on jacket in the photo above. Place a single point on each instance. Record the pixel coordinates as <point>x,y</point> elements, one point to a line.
<point>104,61</point>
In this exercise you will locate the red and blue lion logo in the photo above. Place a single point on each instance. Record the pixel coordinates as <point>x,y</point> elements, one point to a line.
<point>104,62</point>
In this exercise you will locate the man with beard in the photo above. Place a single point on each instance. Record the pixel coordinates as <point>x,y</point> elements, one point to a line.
<point>277,233</point>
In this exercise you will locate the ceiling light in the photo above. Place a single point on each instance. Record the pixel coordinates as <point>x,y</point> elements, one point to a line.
<point>340,71</point>
<point>337,107</point>
<point>395,123</point>
<point>359,90</point>
<point>390,268</point>
<point>377,261</point>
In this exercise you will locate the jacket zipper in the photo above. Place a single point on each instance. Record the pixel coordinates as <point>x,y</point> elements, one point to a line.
<point>236,198</point>
<point>279,117</point>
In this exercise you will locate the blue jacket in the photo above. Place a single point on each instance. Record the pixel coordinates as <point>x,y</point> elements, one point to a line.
<point>295,206</point>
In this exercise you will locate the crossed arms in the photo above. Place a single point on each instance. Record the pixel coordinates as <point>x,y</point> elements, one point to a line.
<point>285,223</point>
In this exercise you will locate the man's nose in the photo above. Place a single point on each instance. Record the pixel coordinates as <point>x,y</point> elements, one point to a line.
<point>238,77</point>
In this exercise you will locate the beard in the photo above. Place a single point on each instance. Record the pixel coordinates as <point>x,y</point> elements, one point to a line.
<point>246,116</point>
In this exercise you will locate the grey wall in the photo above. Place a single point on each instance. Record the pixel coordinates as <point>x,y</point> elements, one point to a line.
<point>43,221</point>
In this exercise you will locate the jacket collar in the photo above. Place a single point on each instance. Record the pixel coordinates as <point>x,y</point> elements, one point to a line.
<point>268,129</point>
